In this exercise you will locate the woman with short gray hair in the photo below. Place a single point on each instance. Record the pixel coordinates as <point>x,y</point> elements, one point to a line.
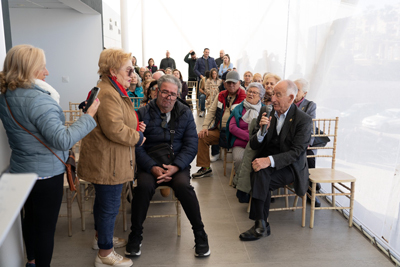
<point>240,119</point>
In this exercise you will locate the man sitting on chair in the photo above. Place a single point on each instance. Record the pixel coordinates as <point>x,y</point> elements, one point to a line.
<point>159,115</point>
<point>281,155</point>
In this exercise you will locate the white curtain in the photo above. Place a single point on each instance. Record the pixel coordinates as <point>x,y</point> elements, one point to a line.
<point>350,52</point>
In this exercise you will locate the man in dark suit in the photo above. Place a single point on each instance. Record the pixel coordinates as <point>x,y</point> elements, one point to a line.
<point>281,155</point>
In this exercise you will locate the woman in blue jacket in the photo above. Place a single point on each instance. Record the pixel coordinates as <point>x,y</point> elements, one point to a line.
<point>34,104</point>
<point>225,65</point>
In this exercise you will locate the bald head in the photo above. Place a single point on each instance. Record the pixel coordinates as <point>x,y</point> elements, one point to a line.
<point>157,75</point>
<point>221,53</point>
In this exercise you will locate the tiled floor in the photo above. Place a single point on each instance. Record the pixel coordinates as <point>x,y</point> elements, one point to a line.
<point>330,243</point>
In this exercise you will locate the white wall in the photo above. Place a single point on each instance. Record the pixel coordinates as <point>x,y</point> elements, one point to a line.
<point>112,35</point>
<point>72,43</point>
<point>5,151</point>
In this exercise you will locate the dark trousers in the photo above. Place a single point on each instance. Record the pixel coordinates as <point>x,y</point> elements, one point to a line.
<point>263,182</point>
<point>143,193</point>
<point>310,161</point>
<point>39,223</point>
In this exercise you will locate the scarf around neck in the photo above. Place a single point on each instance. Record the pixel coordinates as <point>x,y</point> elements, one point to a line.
<point>47,87</point>
<point>252,111</point>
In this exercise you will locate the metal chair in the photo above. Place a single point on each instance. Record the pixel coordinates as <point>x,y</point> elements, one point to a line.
<point>336,178</point>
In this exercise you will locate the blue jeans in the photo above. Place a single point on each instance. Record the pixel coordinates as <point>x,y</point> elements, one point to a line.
<point>105,210</point>
<point>202,100</point>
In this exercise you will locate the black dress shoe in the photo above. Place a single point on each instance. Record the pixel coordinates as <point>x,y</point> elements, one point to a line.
<point>259,230</point>
<point>317,202</point>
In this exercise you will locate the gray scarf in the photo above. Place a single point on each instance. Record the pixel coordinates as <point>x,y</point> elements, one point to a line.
<point>252,111</point>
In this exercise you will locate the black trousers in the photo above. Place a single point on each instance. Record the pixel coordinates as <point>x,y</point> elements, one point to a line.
<point>39,223</point>
<point>263,182</point>
<point>143,193</point>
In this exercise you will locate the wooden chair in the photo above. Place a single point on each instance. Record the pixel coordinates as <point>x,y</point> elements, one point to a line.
<point>74,106</point>
<point>136,101</point>
<point>329,175</point>
<point>71,116</point>
<point>192,97</point>
<point>226,152</point>
<point>173,199</point>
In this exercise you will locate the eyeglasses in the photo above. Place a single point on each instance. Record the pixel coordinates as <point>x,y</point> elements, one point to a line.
<point>230,83</point>
<point>164,120</point>
<point>166,94</point>
<point>252,93</point>
<point>269,83</point>
<point>153,88</point>
<point>130,71</point>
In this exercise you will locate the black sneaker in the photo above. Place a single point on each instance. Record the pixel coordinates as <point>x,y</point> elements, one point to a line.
<point>202,172</point>
<point>202,248</point>
<point>133,246</point>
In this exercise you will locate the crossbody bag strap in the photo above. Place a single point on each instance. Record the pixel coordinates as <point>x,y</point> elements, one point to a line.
<point>172,128</point>
<point>33,134</point>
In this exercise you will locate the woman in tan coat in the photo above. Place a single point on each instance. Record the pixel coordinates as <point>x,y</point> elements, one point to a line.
<point>107,154</point>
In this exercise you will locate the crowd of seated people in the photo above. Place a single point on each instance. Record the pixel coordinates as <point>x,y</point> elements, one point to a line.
<point>265,156</point>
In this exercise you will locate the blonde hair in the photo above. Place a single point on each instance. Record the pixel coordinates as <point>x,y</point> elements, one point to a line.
<point>112,59</point>
<point>256,75</point>
<point>251,74</point>
<point>21,65</point>
<point>271,75</point>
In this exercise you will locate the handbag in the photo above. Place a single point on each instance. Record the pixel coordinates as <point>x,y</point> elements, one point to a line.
<point>70,165</point>
<point>319,141</point>
<point>164,153</point>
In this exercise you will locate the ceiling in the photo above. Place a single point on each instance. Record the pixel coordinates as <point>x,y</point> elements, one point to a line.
<point>46,4</point>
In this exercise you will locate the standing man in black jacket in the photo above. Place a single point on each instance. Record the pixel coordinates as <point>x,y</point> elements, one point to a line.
<point>191,62</point>
<point>167,62</point>
<point>220,60</point>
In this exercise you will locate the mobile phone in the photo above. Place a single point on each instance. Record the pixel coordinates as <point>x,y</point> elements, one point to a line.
<point>93,95</point>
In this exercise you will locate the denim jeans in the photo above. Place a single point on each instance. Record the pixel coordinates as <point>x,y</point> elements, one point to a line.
<point>202,101</point>
<point>105,210</point>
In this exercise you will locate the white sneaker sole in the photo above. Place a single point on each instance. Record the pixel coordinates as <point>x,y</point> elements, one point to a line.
<point>204,255</point>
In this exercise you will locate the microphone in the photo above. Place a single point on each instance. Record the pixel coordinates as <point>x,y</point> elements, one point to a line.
<point>264,127</point>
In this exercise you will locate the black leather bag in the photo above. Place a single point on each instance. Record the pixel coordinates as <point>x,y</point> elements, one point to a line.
<point>161,154</point>
<point>164,153</point>
<point>320,141</point>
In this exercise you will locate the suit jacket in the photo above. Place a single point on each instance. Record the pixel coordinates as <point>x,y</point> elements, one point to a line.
<point>294,139</point>
<point>310,108</point>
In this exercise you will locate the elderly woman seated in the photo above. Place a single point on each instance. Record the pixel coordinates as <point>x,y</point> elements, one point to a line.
<point>239,120</point>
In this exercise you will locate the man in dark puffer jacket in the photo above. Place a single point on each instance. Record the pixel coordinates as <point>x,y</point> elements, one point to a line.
<point>157,116</point>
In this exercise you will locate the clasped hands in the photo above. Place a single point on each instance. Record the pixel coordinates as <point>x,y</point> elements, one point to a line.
<point>164,174</point>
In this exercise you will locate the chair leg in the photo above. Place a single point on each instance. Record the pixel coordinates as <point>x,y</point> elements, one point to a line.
<point>178,217</point>
<point>69,210</point>
<point>80,203</point>
<point>248,207</point>
<point>285,190</point>
<point>232,174</point>
<point>313,192</point>
<point>303,214</point>
<point>333,196</point>
<point>83,219</point>
<point>225,161</point>
<point>353,184</point>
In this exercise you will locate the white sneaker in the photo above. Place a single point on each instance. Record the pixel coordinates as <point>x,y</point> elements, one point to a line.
<point>117,242</point>
<point>112,259</point>
<point>201,114</point>
<point>214,158</point>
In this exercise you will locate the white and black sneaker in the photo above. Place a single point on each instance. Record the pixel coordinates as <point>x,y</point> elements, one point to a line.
<point>201,244</point>
<point>202,172</point>
<point>201,114</point>
<point>133,246</point>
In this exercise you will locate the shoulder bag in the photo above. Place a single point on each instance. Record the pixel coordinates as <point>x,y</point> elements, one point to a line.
<point>164,153</point>
<point>319,141</point>
<point>70,165</point>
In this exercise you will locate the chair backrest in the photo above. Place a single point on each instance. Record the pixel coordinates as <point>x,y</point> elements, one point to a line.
<point>74,106</point>
<point>192,84</point>
<point>136,101</point>
<point>71,116</point>
<point>325,128</point>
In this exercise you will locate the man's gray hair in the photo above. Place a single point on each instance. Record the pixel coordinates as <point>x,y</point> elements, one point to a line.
<point>291,88</point>
<point>305,84</point>
<point>159,71</point>
<point>169,78</point>
<point>260,88</point>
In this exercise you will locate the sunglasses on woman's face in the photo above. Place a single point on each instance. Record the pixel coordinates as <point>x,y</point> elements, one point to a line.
<point>153,88</point>
<point>130,72</point>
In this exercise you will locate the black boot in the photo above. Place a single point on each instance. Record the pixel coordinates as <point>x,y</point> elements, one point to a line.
<point>317,202</point>
<point>259,230</point>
